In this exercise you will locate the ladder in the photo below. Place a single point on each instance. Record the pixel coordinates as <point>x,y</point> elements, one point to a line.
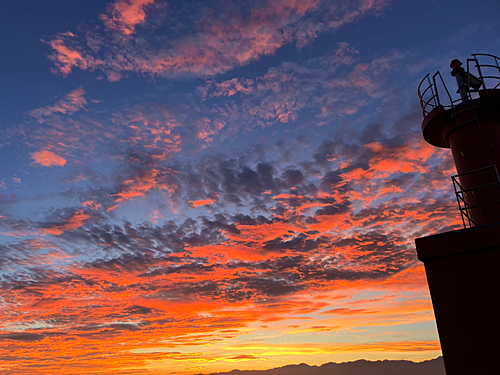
<point>483,179</point>
<point>477,152</point>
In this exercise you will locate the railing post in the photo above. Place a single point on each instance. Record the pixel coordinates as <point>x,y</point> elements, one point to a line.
<point>435,86</point>
<point>480,72</point>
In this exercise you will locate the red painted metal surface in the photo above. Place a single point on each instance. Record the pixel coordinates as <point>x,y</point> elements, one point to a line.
<point>475,148</point>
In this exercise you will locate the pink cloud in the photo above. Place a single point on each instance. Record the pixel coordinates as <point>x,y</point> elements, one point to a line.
<point>144,127</point>
<point>207,129</point>
<point>48,159</point>
<point>226,88</point>
<point>66,54</point>
<point>71,103</point>
<point>223,39</point>
<point>284,91</point>
<point>125,15</point>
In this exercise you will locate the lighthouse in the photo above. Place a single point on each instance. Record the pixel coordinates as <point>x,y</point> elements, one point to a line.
<point>463,266</point>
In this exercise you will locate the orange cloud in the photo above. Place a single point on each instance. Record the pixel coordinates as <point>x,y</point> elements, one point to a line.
<point>75,221</point>
<point>146,180</point>
<point>410,157</point>
<point>314,348</point>
<point>347,311</point>
<point>201,202</point>
<point>146,327</point>
<point>94,206</point>
<point>48,159</point>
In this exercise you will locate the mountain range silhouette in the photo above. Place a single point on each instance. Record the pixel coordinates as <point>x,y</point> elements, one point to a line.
<point>360,367</point>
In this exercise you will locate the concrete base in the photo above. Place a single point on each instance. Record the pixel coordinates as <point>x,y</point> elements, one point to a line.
<point>463,272</point>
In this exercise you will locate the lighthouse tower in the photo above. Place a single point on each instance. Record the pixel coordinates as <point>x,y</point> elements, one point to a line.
<point>463,266</point>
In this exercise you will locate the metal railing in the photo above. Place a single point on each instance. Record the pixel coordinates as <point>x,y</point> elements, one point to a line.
<point>433,94</point>
<point>468,211</point>
<point>463,200</point>
<point>495,66</point>
<point>429,87</point>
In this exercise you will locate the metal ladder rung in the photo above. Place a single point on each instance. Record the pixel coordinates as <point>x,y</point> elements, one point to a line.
<point>485,144</point>
<point>479,145</point>
<point>465,155</point>
<point>468,122</point>
<point>470,134</point>
<point>484,173</point>
<point>466,109</point>
<point>477,160</point>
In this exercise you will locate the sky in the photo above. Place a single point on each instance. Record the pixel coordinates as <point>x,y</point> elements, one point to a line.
<point>198,186</point>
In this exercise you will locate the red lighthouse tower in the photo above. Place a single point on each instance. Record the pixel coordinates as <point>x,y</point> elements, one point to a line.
<point>463,266</point>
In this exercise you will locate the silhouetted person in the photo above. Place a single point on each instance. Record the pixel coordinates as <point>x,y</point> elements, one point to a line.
<point>466,81</point>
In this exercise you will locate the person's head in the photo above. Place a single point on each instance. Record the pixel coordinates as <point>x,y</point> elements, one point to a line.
<point>455,64</point>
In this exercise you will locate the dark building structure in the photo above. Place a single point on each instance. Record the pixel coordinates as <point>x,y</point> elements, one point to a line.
<point>463,266</point>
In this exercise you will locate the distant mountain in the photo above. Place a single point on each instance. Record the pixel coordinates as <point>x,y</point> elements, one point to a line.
<point>361,367</point>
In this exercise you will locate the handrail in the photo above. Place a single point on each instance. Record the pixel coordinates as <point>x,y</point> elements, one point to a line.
<point>435,100</point>
<point>485,54</point>
<point>496,60</point>
<point>423,102</point>
<point>489,66</point>
<point>463,196</point>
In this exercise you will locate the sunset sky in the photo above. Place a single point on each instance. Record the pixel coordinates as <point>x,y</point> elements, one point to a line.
<point>199,186</point>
